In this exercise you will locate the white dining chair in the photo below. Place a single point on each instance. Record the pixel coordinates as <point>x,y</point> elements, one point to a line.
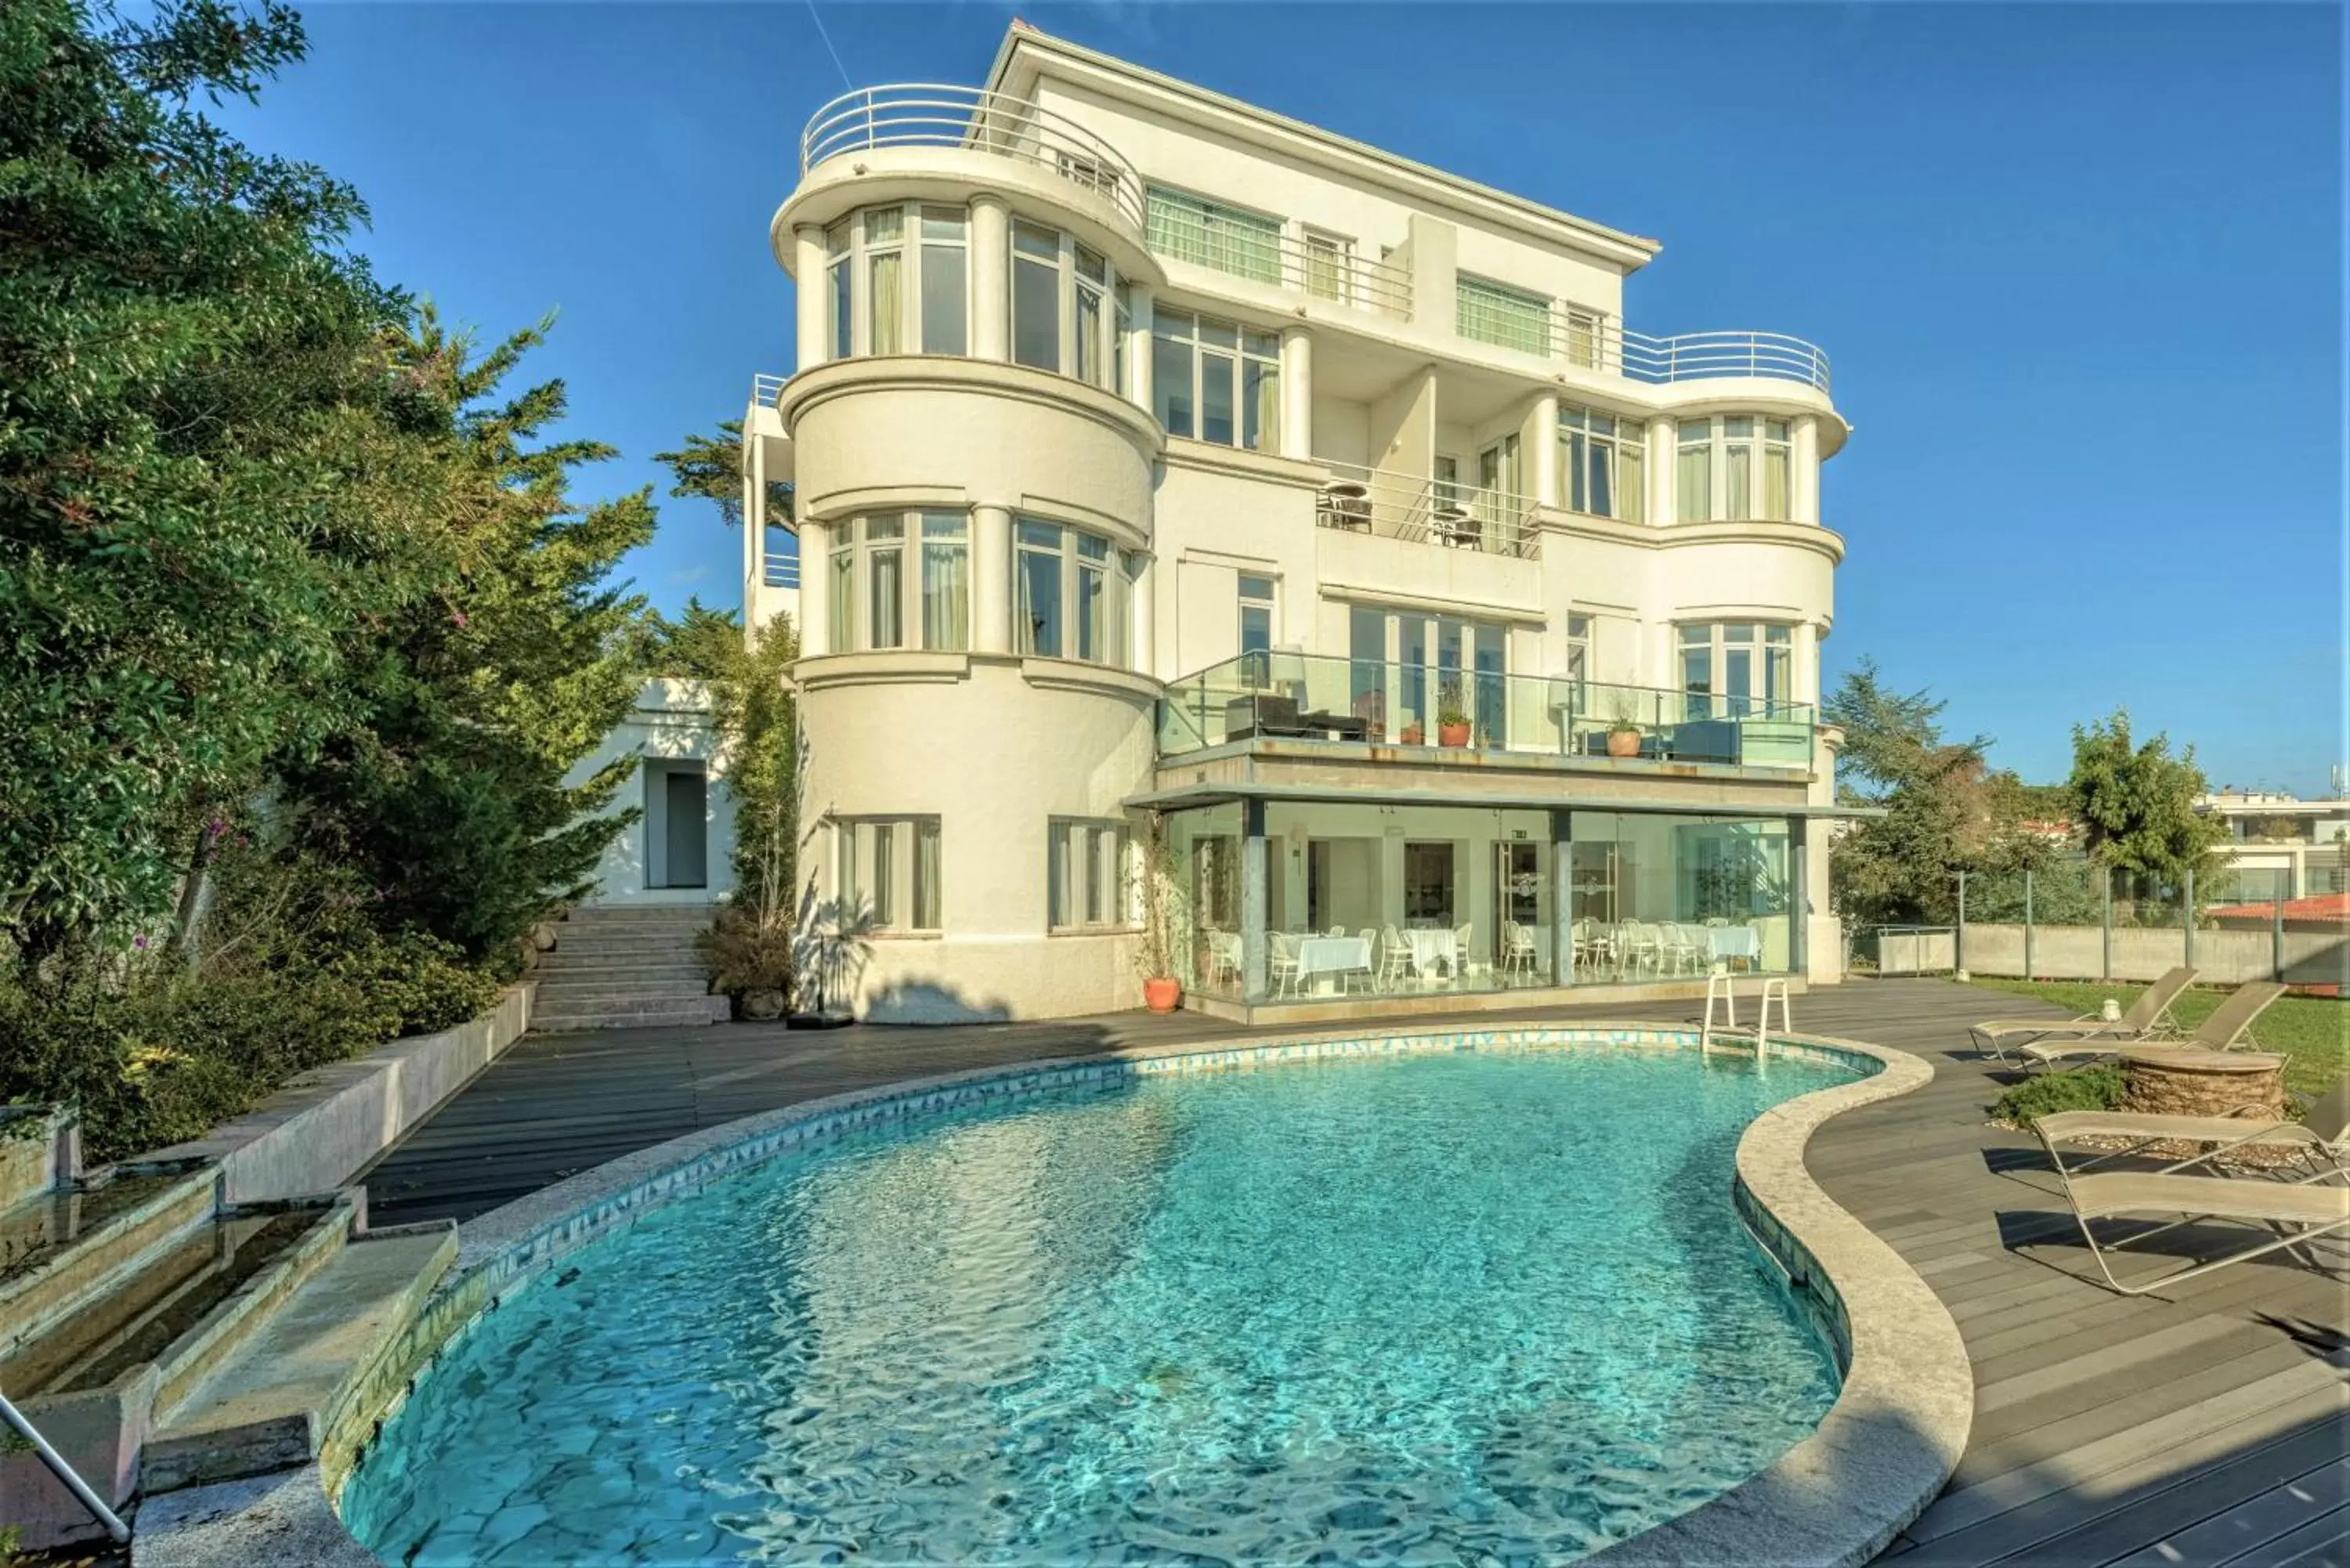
<point>1518,955</point>
<point>1281,962</point>
<point>1395,961</point>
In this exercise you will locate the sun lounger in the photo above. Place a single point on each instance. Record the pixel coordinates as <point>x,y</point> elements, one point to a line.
<point>2221,1032</point>
<point>2287,1215</point>
<point>2149,1018</point>
<point>2323,1135</point>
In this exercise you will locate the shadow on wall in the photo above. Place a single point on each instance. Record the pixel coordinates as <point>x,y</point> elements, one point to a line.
<point>831,945</point>
<point>923,1002</point>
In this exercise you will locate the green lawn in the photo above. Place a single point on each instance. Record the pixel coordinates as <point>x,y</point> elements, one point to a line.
<point>2312,1033</point>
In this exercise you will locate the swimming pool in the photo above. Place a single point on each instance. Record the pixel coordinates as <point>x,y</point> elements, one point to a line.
<point>1423,1308</point>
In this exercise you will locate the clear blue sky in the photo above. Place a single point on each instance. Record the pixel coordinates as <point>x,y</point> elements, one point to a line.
<point>2079,270</point>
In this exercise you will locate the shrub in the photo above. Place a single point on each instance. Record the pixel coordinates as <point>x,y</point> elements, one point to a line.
<point>745,955</point>
<point>2096,1088</point>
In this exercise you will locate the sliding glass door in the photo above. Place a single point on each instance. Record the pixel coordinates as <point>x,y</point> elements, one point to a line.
<point>1413,673</point>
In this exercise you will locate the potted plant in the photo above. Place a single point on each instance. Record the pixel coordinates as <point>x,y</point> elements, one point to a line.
<point>1162,913</point>
<point>1623,730</point>
<point>1451,723</point>
<point>1414,734</point>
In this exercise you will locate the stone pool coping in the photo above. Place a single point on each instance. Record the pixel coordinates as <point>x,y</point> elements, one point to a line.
<point>1883,1450</point>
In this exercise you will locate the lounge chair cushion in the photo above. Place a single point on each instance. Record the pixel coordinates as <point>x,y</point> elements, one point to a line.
<point>2199,1129</point>
<point>2104,1196</point>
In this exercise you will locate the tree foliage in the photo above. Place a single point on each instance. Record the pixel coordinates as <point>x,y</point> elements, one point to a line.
<point>2136,804</point>
<point>709,468</point>
<point>751,946</point>
<point>701,644</point>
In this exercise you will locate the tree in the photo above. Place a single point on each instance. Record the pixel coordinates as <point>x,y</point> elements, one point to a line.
<point>480,699</point>
<point>751,945</point>
<point>182,332</point>
<point>701,644</point>
<point>2136,805</point>
<point>709,468</point>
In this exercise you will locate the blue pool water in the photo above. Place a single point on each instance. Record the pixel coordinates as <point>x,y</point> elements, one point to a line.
<point>1434,1309</point>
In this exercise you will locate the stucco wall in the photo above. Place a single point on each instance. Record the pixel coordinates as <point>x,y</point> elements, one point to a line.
<point>670,725</point>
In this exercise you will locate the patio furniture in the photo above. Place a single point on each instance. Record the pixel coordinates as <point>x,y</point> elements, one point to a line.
<point>1396,961</point>
<point>1335,957</point>
<point>1453,528</point>
<point>1261,714</point>
<point>1281,961</point>
<point>2322,1135</point>
<point>1462,948</point>
<point>1686,945</point>
<point>2286,1214</point>
<point>1225,957</point>
<point>1518,953</point>
<point>1705,741</point>
<point>2228,1024</point>
<point>2149,1018</point>
<point>1724,944</point>
<point>1432,946</point>
<point>1344,503</point>
<point>1638,948</point>
<point>1335,726</point>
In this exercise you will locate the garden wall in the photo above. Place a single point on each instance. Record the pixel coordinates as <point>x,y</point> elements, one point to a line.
<point>2313,955</point>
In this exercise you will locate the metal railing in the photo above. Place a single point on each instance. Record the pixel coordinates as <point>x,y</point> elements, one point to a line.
<point>1284,693</point>
<point>1598,343</point>
<point>1427,511</point>
<point>781,571</point>
<point>1319,268</point>
<point>766,390</point>
<point>933,114</point>
<point>67,1477</point>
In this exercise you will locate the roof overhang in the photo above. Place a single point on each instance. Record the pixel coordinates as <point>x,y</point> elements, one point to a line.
<point>1224,794</point>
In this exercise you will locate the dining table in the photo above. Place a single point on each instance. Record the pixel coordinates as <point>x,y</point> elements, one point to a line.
<point>1321,958</point>
<point>1724,943</point>
<point>1432,945</point>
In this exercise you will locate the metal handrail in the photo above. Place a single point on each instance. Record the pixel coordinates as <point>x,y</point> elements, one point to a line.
<point>1431,512</point>
<point>1597,342</point>
<point>766,390</point>
<point>937,114</point>
<point>115,1531</point>
<point>1282,260</point>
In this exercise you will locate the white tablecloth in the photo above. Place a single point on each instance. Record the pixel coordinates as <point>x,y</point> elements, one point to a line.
<point>1432,947</point>
<point>1332,955</point>
<point>1734,941</point>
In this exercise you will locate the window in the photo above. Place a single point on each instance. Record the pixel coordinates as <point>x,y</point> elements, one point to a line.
<point>1086,874</point>
<point>1432,666</point>
<point>1329,265</point>
<point>1586,334</point>
<point>1061,319</point>
<point>886,870</point>
<point>1495,313</point>
<point>1604,461</point>
<point>1737,669</point>
<point>1427,884</point>
<point>1256,614</point>
<point>1733,469</point>
<point>1578,648</point>
<point>879,591</point>
<point>882,301</point>
<point>1073,594</point>
<point>1228,239</point>
<point>1215,381</point>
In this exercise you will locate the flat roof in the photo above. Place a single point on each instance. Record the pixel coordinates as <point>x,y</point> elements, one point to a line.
<point>1192,795</point>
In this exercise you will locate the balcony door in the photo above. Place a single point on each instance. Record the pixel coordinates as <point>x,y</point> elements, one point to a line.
<point>1408,672</point>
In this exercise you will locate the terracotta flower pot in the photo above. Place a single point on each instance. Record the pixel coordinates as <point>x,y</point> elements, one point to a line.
<point>1623,742</point>
<point>1413,735</point>
<point>1161,995</point>
<point>1452,734</point>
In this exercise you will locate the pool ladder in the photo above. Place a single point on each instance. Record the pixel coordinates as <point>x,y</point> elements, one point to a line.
<point>1722,984</point>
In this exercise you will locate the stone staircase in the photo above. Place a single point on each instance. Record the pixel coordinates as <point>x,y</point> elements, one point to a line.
<point>625,968</point>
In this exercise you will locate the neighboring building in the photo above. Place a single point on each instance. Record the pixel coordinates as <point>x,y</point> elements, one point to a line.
<point>2278,848</point>
<point>1155,453</point>
<point>680,849</point>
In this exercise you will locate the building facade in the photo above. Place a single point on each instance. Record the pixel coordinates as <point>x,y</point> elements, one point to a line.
<point>1170,472</point>
<point>679,850</point>
<point>2280,848</point>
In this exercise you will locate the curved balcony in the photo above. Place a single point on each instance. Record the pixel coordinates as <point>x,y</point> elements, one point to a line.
<point>927,114</point>
<point>1694,356</point>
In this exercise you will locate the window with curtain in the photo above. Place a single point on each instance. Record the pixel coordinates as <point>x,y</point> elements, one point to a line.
<point>1734,468</point>
<point>889,868</point>
<point>1063,314</point>
<point>1216,380</point>
<point>1329,268</point>
<point>1087,879</point>
<point>1489,312</point>
<point>1737,669</point>
<point>884,592</point>
<point>1586,336</point>
<point>1036,296</point>
<point>1603,464</point>
<point>1072,593</point>
<point>1228,239</point>
<point>882,301</point>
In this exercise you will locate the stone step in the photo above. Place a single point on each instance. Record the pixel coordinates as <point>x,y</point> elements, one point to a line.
<point>674,1014</point>
<point>621,971</point>
<point>557,997</point>
<point>61,1252</point>
<point>266,1406</point>
<point>615,1002</point>
<point>608,947</point>
<point>663,915</point>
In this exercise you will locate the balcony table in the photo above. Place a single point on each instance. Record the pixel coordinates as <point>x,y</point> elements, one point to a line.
<point>1345,504</point>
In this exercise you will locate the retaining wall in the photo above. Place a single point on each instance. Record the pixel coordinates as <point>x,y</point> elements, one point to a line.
<point>2313,955</point>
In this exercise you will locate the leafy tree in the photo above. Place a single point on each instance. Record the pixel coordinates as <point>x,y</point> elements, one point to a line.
<point>701,644</point>
<point>2136,805</point>
<point>480,701</point>
<point>181,334</point>
<point>751,945</point>
<point>709,468</point>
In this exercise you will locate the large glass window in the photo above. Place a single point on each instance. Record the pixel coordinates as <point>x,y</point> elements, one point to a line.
<point>878,592</point>
<point>1228,239</point>
<point>1086,882</point>
<point>1653,898</point>
<point>1061,315</point>
<point>1737,669</point>
<point>1605,462</point>
<point>946,271</point>
<point>1733,469</point>
<point>885,872</point>
<point>1073,594</point>
<point>1256,595</point>
<point>1036,296</point>
<point>881,301</point>
<point>840,269</point>
<point>1441,670</point>
<point>1489,312</point>
<point>1216,380</point>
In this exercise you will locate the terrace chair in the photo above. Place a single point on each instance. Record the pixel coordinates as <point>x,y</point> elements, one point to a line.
<point>2149,1018</point>
<point>1281,961</point>
<point>1518,954</point>
<point>1395,961</point>
<point>2228,1024</point>
<point>1639,947</point>
<point>2323,1136</point>
<point>1461,934</point>
<point>2287,1215</point>
<point>1687,945</point>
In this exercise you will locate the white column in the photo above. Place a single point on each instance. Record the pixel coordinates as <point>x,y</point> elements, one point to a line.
<point>1806,675</point>
<point>1138,344</point>
<point>814,293</point>
<point>1804,503</point>
<point>991,278</point>
<point>1546,488</point>
<point>815,588</point>
<point>1144,616</point>
<point>991,580</point>
<point>1297,392</point>
<point>1662,466</point>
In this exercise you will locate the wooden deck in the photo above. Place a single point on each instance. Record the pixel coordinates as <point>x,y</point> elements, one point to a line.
<point>2204,1428</point>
